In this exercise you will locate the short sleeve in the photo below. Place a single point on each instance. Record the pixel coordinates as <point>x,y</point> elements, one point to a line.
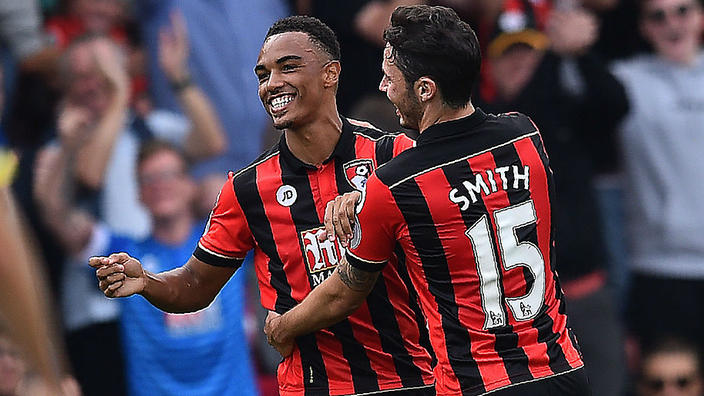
<point>227,238</point>
<point>375,231</point>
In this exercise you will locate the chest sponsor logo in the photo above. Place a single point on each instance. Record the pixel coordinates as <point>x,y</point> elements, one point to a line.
<point>286,195</point>
<point>321,257</point>
<point>358,171</point>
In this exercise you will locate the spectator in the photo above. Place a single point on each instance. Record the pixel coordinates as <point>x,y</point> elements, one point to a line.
<point>104,17</point>
<point>661,139</point>
<point>554,79</point>
<point>671,367</point>
<point>98,131</point>
<point>203,353</point>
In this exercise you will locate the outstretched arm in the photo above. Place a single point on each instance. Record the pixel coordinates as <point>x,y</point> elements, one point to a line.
<point>333,300</point>
<point>185,289</point>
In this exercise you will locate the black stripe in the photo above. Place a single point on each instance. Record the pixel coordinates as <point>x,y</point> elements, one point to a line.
<point>412,204</point>
<point>384,149</point>
<point>392,342</point>
<point>415,304</point>
<point>251,203</point>
<point>217,261</point>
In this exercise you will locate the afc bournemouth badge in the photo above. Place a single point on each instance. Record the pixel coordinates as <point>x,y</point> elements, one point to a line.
<point>358,171</point>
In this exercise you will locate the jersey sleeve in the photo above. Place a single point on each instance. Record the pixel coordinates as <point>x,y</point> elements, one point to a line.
<point>375,231</point>
<point>227,237</point>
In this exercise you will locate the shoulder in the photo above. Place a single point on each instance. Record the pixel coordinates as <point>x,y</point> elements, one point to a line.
<point>249,171</point>
<point>511,123</point>
<point>368,131</point>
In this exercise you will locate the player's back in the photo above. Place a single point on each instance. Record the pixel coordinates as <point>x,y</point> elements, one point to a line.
<point>473,203</point>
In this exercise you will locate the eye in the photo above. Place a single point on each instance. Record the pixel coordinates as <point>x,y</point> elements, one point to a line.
<point>288,68</point>
<point>262,77</point>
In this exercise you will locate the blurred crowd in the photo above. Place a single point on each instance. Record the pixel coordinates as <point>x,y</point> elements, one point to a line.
<point>126,115</point>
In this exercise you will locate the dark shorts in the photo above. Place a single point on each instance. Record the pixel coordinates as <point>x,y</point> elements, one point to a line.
<point>573,383</point>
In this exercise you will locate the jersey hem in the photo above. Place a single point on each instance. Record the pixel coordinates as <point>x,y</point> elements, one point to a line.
<point>298,391</point>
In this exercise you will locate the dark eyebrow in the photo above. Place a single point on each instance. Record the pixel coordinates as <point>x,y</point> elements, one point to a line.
<point>287,58</point>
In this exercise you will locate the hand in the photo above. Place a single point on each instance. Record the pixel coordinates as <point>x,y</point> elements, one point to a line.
<point>273,331</point>
<point>572,32</point>
<point>74,123</point>
<point>340,217</point>
<point>173,49</point>
<point>119,275</point>
<point>112,64</point>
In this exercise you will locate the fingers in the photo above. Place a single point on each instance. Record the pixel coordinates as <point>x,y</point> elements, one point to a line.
<point>340,217</point>
<point>327,221</point>
<point>97,261</point>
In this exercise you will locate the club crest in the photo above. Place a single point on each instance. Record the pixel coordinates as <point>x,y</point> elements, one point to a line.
<point>358,171</point>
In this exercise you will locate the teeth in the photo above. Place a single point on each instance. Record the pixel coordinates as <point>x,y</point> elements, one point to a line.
<point>281,101</point>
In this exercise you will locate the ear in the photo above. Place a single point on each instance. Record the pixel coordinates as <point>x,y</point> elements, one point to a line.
<point>425,89</point>
<point>331,73</point>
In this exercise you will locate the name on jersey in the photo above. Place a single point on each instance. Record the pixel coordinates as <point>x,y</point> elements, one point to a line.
<point>321,257</point>
<point>488,182</point>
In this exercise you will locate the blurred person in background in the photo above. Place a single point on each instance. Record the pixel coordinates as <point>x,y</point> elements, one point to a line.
<point>670,366</point>
<point>202,353</point>
<point>101,135</point>
<point>661,140</point>
<point>12,365</point>
<point>552,77</point>
<point>79,17</point>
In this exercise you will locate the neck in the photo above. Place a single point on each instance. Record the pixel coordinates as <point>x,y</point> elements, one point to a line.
<point>439,112</point>
<point>313,143</point>
<point>172,230</point>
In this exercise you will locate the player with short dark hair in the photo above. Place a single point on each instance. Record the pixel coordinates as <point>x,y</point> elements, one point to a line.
<point>276,207</point>
<point>470,206</point>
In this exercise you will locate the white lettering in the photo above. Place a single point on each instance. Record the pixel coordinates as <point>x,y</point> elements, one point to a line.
<point>476,188</point>
<point>459,200</point>
<point>517,176</point>
<point>502,171</point>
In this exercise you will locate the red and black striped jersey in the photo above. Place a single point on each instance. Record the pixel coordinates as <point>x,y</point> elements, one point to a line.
<point>470,206</point>
<point>276,207</point>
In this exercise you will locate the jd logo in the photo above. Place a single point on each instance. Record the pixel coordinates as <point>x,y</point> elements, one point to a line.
<point>286,195</point>
<point>321,257</point>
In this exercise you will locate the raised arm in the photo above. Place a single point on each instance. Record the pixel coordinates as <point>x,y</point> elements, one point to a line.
<point>206,137</point>
<point>93,157</point>
<point>188,288</point>
<point>333,300</point>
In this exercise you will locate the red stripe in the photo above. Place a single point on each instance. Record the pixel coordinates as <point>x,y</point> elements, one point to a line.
<point>283,229</point>
<point>539,192</point>
<point>266,292</point>
<point>402,143</point>
<point>365,148</point>
<point>336,366</point>
<point>290,369</point>
<point>366,334</point>
<point>427,302</point>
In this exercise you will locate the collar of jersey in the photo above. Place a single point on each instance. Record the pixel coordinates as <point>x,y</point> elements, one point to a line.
<point>343,149</point>
<point>447,129</point>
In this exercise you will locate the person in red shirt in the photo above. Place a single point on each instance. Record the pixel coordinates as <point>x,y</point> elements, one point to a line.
<point>470,207</point>
<point>276,207</point>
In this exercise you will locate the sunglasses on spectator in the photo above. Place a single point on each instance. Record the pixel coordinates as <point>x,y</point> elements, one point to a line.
<point>659,15</point>
<point>658,384</point>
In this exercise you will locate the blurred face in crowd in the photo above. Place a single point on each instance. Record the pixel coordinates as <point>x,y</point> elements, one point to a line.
<point>670,374</point>
<point>292,73</point>
<point>165,187</point>
<point>12,367</point>
<point>513,69</point>
<point>673,27</point>
<point>399,92</point>
<point>86,86</point>
<point>98,16</point>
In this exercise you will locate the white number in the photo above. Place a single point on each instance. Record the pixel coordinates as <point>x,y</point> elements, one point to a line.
<point>514,254</point>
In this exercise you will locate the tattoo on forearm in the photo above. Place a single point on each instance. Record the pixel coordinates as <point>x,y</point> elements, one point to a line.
<point>354,278</point>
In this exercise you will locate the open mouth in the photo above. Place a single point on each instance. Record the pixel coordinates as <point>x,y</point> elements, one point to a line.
<point>280,103</point>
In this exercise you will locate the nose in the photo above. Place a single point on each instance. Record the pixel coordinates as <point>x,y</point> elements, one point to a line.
<point>275,81</point>
<point>383,84</point>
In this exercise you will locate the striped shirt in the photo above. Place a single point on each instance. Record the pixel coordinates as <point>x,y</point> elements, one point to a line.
<point>276,206</point>
<point>470,206</point>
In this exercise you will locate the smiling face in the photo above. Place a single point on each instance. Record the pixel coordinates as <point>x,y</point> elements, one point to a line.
<point>291,71</point>
<point>673,27</point>
<point>166,189</point>
<point>399,92</point>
